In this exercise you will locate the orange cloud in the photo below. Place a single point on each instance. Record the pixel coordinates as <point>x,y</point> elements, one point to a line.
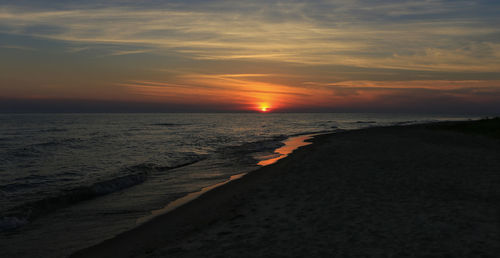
<point>250,92</point>
<point>245,91</point>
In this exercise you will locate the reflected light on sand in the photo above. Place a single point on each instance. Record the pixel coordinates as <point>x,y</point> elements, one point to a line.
<point>291,144</point>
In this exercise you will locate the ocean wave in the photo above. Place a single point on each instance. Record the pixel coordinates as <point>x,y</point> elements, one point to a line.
<point>365,122</point>
<point>53,130</point>
<point>26,152</point>
<point>13,187</point>
<point>38,149</point>
<point>411,122</point>
<point>135,175</point>
<point>169,124</point>
<point>56,142</point>
<point>317,132</point>
<point>9,223</point>
<point>253,147</point>
<point>246,153</point>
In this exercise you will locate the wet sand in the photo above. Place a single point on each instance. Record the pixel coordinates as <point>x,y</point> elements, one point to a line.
<point>407,191</point>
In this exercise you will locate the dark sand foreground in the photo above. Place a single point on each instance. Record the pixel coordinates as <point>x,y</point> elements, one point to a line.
<point>413,191</point>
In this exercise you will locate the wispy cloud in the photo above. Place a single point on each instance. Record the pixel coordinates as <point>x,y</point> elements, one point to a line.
<point>76,49</point>
<point>442,85</point>
<point>247,91</point>
<point>18,47</point>
<point>244,89</point>
<point>350,33</point>
<point>128,52</point>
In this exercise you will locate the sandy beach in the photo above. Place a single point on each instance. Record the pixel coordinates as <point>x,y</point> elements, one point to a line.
<point>403,191</point>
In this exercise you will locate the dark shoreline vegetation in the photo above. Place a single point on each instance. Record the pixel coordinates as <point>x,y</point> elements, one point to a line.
<point>487,127</point>
<point>414,190</point>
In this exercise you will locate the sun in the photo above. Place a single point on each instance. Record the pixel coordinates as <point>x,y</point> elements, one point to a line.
<point>264,108</point>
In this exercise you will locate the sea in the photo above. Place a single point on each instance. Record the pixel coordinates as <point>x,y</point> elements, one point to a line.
<point>70,181</point>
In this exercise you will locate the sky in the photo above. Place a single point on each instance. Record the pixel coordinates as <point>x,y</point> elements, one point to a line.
<point>428,56</point>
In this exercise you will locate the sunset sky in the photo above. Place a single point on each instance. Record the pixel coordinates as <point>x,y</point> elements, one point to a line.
<point>339,55</point>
